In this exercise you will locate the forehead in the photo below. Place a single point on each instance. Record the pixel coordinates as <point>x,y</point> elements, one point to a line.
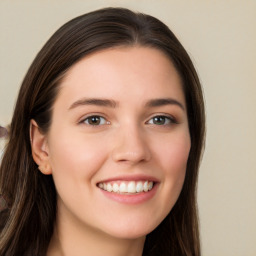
<point>130,71</point>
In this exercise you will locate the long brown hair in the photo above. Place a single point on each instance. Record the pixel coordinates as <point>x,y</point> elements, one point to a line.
<point>30,195</point>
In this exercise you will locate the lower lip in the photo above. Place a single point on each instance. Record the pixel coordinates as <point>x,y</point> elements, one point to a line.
<point>131,198</point>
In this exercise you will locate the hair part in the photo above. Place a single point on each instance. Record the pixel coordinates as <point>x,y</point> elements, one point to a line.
<point>30,195</point>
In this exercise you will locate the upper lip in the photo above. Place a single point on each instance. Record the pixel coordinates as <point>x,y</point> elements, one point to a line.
<point>139,177</point>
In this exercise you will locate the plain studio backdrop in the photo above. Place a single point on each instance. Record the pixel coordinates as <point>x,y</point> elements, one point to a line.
<point>220,37</point>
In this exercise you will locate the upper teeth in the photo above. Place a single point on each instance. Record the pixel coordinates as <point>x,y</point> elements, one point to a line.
<point>127,187</point>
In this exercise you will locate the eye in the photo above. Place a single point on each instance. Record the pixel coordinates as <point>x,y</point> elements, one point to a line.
<point>95,120</point>
<point>161,120</point>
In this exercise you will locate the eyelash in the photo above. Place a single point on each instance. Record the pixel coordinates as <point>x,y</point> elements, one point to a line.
<point>169,119</point>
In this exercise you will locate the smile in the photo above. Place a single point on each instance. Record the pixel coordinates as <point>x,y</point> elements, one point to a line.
<point>126,187</point>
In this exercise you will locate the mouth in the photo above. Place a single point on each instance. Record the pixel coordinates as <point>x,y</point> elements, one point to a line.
<point>135,189</point>
<point>127,187</point>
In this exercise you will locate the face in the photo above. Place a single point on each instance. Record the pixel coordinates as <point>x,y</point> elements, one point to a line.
<point>119,141</point>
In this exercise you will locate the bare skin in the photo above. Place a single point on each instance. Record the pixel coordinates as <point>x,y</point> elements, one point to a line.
<point>120,119</point>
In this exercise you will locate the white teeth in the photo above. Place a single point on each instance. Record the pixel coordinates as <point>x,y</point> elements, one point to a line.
<point>122,188</point>
<point>130,187</point>
<point>109,187</point>
<point>139,187</point>
<point>145,186</point>
<point>150,185</point>
<point>115,187</point>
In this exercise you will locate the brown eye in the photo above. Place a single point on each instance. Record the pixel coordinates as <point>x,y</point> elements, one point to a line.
<point>95,120</point>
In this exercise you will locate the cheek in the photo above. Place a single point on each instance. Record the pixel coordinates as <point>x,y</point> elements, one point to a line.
<point>76,157</point>
<point>173,154</point>
<point>176,157</point>
<point>173,157</point>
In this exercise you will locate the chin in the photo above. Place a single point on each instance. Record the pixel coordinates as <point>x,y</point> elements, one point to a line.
<point>131,229</point>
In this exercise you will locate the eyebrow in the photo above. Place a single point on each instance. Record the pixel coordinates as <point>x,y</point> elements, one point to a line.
<point>163,102</point>
<point>94,101</point>
<point>114,104</point>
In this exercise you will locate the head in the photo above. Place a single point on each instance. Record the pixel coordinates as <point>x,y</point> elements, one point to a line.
<point>30,194</point>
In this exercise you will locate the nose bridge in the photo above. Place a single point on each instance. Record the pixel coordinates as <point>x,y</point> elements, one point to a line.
<point>130,144</point>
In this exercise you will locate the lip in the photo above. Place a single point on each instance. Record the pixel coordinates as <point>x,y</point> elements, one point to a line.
<point>137,198</point>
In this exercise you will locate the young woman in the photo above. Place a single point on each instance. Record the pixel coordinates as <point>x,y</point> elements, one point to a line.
<point>105,143</point>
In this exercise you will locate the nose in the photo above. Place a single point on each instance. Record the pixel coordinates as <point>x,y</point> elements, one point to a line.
<point>130,146</point>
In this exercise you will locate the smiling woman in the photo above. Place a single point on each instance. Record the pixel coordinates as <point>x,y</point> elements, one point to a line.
<point>112,119</point>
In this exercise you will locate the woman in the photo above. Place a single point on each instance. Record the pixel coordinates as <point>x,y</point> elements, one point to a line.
<point>105,143</point>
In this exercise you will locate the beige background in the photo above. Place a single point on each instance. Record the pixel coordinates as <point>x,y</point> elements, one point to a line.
<point>221,39</point>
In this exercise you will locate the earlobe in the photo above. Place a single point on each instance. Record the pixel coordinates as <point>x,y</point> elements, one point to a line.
<point>45,169</point>
<point>39,148</point>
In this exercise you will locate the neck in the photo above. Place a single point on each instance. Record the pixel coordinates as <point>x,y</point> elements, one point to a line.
<point>76,240</point>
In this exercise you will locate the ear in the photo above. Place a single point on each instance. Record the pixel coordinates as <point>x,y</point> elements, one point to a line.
<point>39,147</point>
